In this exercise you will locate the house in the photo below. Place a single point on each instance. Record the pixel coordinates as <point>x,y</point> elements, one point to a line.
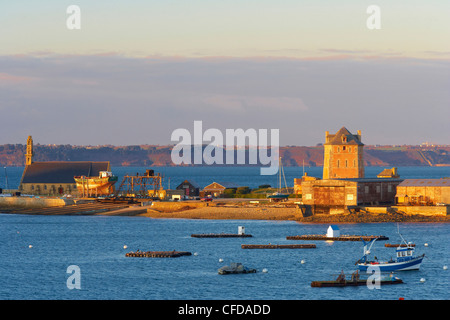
<point>216,189</point>
<point>333,231</point>
<point>425,192</point>
<point>190,188</point>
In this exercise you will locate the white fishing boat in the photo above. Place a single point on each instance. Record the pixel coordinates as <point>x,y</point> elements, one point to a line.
<point>405,258</point>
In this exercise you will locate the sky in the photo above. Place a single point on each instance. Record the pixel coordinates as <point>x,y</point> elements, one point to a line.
<point>138,70</point>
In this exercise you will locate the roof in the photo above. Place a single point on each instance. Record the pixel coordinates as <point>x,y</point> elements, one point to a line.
<point>425,183</point>
<point>191,182</point>
<point>224,185</point>
<point>343,137</point>
<point>388,173</point>
<point>62,171</point>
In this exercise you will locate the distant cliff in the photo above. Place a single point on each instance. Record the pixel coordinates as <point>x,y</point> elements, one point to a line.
<point>151,155</point>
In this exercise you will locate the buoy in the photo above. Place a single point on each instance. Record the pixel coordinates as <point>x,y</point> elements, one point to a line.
<point>264,270</point>
<point>195,254</point>
<point>125,246</point>
<point>401,298</point>
<point>445,267</point>
<point>422,280</point>
<point>220,260</point>
<point>426,244</point>
<point>302,262</point>
<point>30,246</point>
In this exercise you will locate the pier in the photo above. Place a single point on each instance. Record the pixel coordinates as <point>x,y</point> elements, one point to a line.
<point>157,254</point>
<point>278,246</point>
<point>323,237</point>
<point>393,245</point>
<point>221,235</point>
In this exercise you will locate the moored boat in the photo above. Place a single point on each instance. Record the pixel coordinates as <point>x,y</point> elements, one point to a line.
<point>405,258</point>
<point>355,280</point>
<point>234,268</point>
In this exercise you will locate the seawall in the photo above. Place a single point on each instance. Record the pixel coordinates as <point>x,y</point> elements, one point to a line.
<point>28,202</point>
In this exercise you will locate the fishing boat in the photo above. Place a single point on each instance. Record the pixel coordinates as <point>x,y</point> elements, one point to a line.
<point>279,196</point>
<point>234,268</point>
<point>354,281</point>
<point>103,184</point>
<point>405,258</point>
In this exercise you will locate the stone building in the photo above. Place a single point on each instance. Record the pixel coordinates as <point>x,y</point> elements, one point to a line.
<point>338,195</point>
<point>56,177</point>
<point>424,192</point>
<point>344,187</point>
<point>343,155</point>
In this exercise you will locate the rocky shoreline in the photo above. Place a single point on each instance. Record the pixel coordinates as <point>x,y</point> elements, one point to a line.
<point>292,214</point>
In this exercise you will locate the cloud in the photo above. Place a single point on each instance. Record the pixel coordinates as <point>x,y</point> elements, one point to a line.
<point>115,99</point>
<point>235,102</point>
<point>9,79</point>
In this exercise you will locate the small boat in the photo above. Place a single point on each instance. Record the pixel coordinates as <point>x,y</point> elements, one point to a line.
<point>355,280</point>
<point>235,267</point>
<point>405,258</point>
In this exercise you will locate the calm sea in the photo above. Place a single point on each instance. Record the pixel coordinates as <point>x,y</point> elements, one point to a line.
<point>36,251</point>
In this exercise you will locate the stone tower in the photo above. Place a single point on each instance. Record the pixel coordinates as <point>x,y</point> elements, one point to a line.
<point>29,154</point>
<point>343,155</point>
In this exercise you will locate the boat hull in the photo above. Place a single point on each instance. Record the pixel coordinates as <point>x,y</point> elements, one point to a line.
<point>413,264</point>
<point>325,284</point>
<point>96,185</point>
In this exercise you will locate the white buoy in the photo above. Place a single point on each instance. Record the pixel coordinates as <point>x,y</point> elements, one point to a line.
<point>422,280</point>
<point>30,246</point>
<point>445,267</point>
<point>302,262</point>
<point>220,260</point>
<point>195,254</point>
<point>264,270</point>
<point>125,246</point>
<point>426,244</point>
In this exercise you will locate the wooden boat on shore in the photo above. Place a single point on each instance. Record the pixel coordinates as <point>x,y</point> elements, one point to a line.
<point>101,185</point>
<point>355,281</point>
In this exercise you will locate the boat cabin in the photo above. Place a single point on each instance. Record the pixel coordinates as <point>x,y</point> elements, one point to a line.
<point>105,174</point>
<point>404,253</point>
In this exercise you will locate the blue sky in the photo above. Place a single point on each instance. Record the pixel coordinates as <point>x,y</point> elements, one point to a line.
<point>148,67</point>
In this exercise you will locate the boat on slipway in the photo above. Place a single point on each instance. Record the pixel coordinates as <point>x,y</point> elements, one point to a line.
<point>103,184</point>
<point>405,258</point>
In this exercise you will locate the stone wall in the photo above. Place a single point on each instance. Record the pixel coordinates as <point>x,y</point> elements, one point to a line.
<point>28,202</point>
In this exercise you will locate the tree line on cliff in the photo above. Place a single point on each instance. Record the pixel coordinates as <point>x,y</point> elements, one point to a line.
<point>153,155</point>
